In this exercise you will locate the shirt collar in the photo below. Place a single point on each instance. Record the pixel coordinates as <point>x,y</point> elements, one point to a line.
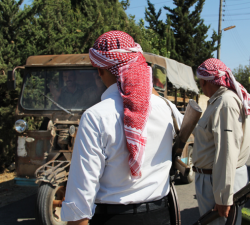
<point>110,90</point>
<point>217,94</point>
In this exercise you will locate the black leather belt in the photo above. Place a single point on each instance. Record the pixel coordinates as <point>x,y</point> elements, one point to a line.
<point>203,171</point>
<point>131,208</point>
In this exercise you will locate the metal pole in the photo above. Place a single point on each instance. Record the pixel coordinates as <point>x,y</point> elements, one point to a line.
<point>219,30</point>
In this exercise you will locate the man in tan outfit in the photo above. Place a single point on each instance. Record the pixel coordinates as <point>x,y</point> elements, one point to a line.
<point>221,146</point>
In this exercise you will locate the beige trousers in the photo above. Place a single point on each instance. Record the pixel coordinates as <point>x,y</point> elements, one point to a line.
<point>205,197</point>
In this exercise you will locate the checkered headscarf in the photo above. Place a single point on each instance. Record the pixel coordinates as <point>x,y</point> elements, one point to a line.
<point>216,72</point>
<point>117,52</point>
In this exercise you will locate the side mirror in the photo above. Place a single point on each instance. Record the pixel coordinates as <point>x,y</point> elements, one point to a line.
<point>11,83</point>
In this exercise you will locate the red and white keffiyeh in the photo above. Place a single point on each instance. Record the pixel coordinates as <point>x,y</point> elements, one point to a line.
<point>216,72</point>
<point>117,52</point>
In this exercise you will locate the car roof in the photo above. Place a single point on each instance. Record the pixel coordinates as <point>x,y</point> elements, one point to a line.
<point>68,60</point>
<point>58,60</point>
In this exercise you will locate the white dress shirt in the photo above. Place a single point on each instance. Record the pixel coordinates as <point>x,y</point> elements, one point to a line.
<point>99,171</point>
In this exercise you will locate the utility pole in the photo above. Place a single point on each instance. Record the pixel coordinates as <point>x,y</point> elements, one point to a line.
<point>219,29</point>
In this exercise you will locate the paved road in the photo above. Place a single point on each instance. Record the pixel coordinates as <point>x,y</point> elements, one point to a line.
<point>22,212</point>
<point>188,202</point>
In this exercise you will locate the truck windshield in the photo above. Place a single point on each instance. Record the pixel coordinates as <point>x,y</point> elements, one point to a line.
<point>73,89</point>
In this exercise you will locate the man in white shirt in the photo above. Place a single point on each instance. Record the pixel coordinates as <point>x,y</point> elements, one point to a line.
<point>104,187</point>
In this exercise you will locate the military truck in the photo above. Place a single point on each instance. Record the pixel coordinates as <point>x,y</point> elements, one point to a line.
<point>56,91</point>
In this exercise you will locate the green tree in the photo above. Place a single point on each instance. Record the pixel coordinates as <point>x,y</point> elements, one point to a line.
<point>72,26</point>
<point>190,33</point>
<point>13,20</point>
<point>103,16</point>
<point>159,34</point>
<point>125,4</point>
<point>51,27</point>
<point>242,75</point>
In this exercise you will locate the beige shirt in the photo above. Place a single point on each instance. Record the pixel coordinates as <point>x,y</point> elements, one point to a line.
<point>219,143</point>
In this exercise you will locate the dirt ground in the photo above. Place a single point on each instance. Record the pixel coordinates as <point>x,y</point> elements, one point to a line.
<point>10,192</point>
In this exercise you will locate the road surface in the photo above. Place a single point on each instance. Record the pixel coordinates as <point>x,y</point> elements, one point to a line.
<point>22,212</point>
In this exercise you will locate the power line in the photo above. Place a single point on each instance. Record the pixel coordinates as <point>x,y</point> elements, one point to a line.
<point>210,21</point>
<point>235,41</point>
<point>245,48</point>
<point>238,4</point>
<point>209,15</point>
<point>212,15</point>
<point>239,37</point>
<point>147,5</point>
<point>235,9</point>
<point>238,14</point>
<point>236,19</point>
<point>225,1</point>
<point>234,0</point>
<point>240,48</point>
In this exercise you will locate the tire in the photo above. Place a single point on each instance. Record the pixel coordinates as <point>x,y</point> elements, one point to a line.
<point>46,214</point>
<point>189,179</point>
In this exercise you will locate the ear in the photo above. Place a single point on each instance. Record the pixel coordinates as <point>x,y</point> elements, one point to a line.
<point>203,82</point>
<point>100,71</point>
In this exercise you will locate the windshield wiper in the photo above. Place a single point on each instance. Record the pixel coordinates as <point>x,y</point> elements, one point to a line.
<point>55,103</point>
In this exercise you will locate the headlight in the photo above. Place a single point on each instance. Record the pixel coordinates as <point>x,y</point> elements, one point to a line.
<point>21,126</point>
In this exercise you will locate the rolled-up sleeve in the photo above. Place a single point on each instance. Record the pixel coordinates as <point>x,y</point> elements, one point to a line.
<point>87,166</point>
<point>228,135</point>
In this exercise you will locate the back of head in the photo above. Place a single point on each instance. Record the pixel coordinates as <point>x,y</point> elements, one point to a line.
<point>215,71</point>
<point>117,52</point>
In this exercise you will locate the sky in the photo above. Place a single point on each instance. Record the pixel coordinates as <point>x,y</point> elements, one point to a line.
<point>235,43</point>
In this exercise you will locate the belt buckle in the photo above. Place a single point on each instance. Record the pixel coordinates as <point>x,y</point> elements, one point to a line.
<point>199,170</point>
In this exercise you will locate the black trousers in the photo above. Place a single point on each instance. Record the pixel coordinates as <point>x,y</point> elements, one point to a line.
<point>155,217</point>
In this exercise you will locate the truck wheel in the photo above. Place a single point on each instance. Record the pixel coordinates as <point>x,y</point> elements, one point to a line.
<point>48,211</point>
<point>190,177</point>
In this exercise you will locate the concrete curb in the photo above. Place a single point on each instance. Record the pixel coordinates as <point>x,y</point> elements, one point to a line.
<point>245,216</point>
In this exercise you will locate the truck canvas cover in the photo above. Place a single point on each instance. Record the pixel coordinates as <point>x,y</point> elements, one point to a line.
<point>181,76</point>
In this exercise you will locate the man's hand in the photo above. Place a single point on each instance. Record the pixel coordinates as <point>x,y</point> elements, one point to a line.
<point>79,222</point>
<point>223,210</point>
<point>54,92</point>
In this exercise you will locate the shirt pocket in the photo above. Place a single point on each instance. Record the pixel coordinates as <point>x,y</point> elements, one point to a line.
<point>203,123</point>
<point>202,129</point>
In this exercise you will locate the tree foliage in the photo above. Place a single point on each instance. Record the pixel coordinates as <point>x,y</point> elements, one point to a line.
<point>242,75</point>
<point>13,21</point>
<point>50,27</point>
<point>158,34</point>
<point>190,32</point>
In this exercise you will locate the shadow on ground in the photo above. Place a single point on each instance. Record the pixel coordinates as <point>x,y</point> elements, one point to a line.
<point>21,212</point>
<point>189,216</point>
